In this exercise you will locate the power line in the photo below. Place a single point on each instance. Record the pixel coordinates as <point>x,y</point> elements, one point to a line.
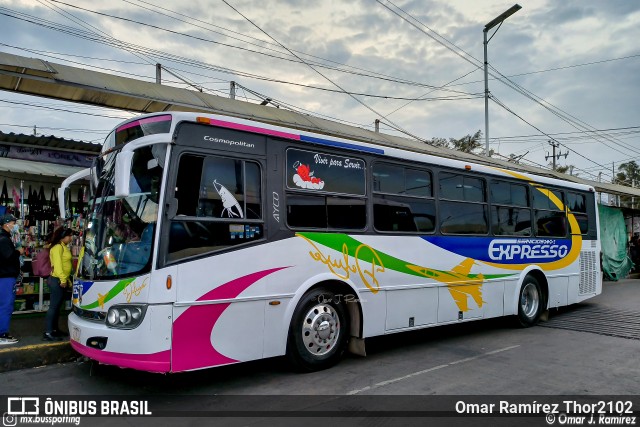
<point>145,51</point>
<point>94,131</point>
<point>299,60</point>
<point>497,101</point>
<point>321,74</point>
<point>578,124</point>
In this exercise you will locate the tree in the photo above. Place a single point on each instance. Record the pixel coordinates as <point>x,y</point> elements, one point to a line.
<point>628,174</point>
<point>466,144</point>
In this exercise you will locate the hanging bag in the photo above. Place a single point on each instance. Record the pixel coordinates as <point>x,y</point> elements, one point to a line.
<point>41,263</point>
<point>53,204</point>
<point>3,196</point>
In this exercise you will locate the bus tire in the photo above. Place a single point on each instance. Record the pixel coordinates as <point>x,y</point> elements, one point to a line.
<point>318,331</point>
<point>530,302</point>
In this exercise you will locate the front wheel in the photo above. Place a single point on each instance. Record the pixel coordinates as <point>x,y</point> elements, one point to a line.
<point>530,302</point>
<point>318,331</point>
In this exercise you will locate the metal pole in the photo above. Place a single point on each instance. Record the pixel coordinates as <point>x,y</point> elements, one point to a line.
<point>600,180</point>
<point>486,97</point>
<point>495,21</point>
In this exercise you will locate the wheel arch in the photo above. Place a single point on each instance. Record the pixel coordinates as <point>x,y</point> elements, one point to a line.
<point>339,287</point>
<point>539,275</point>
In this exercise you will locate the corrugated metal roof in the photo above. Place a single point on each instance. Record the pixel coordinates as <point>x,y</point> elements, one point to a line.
<point>42,78</point>
<point>49,142</point>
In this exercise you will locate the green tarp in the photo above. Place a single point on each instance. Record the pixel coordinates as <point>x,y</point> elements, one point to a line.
<point>613,236</point>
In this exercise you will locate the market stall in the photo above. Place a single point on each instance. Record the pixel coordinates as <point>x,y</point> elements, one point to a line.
<point>32,169</point>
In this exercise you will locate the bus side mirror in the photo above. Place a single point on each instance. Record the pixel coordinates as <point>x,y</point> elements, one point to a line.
<point>124,160</point>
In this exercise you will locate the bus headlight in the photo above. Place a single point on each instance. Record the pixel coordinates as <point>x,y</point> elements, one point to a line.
<point>126,316</point>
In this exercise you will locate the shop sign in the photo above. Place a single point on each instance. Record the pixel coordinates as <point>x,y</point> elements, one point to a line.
<point>45,155</point>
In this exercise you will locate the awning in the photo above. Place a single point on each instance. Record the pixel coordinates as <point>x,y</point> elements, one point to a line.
<point>37,168</point>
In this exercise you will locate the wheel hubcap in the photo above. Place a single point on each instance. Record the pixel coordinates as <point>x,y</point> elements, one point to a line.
<point>321,329</point>
<point>529,300</point>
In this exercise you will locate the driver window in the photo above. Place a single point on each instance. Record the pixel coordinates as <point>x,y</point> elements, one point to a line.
<point>219,205</point>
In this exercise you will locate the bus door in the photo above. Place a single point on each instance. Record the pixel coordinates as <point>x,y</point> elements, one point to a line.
<point>217,215</point>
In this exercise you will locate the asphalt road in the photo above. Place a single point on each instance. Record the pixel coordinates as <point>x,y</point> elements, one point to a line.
<point>589,349</point>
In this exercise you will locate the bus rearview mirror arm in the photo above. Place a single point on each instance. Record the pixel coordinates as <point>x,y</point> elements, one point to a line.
<point>171,208</point>
<point>83,174</point>
<point>123,173</point>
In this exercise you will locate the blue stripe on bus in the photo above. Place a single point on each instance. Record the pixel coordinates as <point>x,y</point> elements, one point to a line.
<point>505,250</point>
<point>340,144</point>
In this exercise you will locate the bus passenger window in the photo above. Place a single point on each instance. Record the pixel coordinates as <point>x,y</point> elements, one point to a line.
<point>550,217</point>
<point>510,213</point>
<point>403,199</point>
<point>550,224</point>
<point>577,205</point>
<point>318,188</point>
<point>463,218</point>
<point>463,207</point>
<point>306,211</point>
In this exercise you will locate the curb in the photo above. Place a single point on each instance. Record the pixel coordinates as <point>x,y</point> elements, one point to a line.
<point>31,356</point>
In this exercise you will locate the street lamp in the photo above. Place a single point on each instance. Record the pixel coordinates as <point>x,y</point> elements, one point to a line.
<point>496,21</point>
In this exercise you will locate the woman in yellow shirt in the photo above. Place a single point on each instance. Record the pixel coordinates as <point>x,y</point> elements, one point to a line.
<point>59,281</point>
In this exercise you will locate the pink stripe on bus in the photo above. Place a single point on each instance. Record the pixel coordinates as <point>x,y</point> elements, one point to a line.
<point>192,347</point>
<point>254,129</point>
<point>154,362</point>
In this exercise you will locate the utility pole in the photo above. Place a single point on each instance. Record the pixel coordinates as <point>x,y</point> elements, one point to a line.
<point>555,144</point>
<point>377,124</point>
<point>600,180</point>
<point>158,73</point>
<point>496,21</point>
<point>232,90</point>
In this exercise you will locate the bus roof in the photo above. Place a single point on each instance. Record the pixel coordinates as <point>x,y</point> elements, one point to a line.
<point>380,144</point>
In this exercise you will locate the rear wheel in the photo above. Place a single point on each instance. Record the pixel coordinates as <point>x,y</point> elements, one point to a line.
<point>318,331</point>
<point>530,302</point>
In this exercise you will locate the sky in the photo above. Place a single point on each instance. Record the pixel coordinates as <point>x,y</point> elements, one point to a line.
<point>565,70</point>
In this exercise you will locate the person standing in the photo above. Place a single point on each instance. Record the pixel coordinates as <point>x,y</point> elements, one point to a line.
<point>58,282</point>
<point>9,272</point>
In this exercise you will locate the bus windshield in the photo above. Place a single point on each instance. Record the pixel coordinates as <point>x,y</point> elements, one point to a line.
<point>119,234</point>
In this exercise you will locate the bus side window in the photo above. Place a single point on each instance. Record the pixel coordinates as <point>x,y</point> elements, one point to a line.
<point>325,191</point>
<point>402,199</point>
<point>550,216</point>
<point>510,210</point>
<point>577,205</point>
<point>463,204</point>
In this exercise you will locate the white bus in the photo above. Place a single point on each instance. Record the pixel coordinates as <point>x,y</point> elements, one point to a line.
<point>213,240</point>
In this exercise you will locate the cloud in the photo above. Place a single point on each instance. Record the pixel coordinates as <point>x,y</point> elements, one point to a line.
<point>366,39</point>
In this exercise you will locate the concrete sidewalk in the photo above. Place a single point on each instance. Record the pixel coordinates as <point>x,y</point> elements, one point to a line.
<point>31,351</point>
